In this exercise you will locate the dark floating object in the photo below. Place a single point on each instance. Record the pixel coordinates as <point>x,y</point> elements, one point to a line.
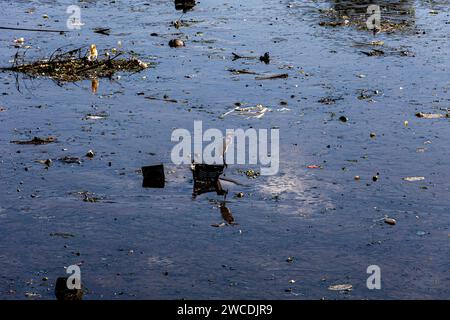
<point>273,76</point>
<point>238,56</point>
<point>374,52</point>
<point>36,141</point>
<point>153,176</point>
<point>176,43</point>
<point>241,71</point>
<point>184,5</point>
<point>343,119</point>
<point>64,293</point>
<point>206,179</point>
<point>265,58</point>
<point>30,29</point>
<point>70,160</point>
<point>104,31</point>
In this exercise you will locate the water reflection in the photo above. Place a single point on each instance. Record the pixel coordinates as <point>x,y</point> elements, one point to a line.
<point>225,212</point>
<point>94,85</point>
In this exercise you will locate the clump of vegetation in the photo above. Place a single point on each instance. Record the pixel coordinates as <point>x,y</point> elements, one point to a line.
<point>77,64</point>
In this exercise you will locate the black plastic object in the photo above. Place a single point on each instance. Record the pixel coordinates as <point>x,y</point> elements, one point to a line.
<point>153,176</point>
<point>206,179</point>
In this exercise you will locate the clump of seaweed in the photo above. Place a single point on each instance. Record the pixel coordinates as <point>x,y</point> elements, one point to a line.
<point>76,65</point>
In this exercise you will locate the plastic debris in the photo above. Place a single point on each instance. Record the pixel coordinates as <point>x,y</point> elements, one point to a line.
<point>390,221</point>
<point>206,179</point>
<point>431,115</point>
<point>412,179</point>
<point>153,176</point>
<point>251,112</point>
<point>341,287</point>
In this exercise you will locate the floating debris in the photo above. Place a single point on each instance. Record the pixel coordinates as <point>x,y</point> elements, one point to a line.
<point>341,287</point>
<point>36,141</point>
<point>62,235</point>
<point>334,23</point>
<point>87,197</point>
<point>343,119</point>
<point>97,116</point>
<point>251,174</point>
<point>390,221</point>
<point>70,160</point>
<point>365,94</point>
<point>377,43</point>
<point>237,56</point>
<point>104,31</point>
<point>432,115</point>
<point>93,53</point>
<point>374,53</point>
<point>252,112</point>
<point>19,40</point>
<point>162,99</point>
<point>329,100</point>
<point>242,71</point>
<point>206,179</point>
<point>219,225</point>
<point>90,154</point>
<point>273,77</point>
<point>406,53</point>
<point>153,176</point>
<point>412,179</point>
<point>73,66</point>
<point>265,58</point>
<point>31,29</point>
<point>47,162</point>
<point>176,43</point>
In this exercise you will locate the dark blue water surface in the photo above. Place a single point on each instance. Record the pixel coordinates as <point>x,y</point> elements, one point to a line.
<point>159,243</point>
